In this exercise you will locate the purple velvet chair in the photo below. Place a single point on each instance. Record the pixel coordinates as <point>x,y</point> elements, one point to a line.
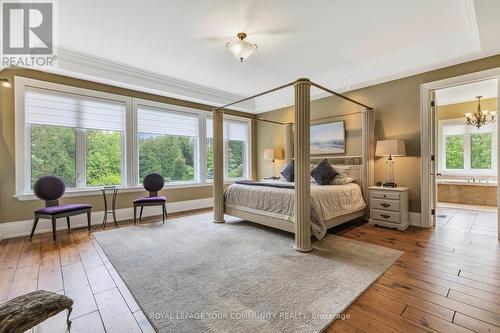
<point>50,189</point>
<point>153,183</point>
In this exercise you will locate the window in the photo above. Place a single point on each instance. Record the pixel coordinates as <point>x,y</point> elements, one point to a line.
<point>481,154</point>
<point>92,139</point>
<point>455,152</point>
<point>104,157</point>
<point>53,152</point>
<point>77,138</point>
<point>236,147</point>
<point>168,142</point>
<point>465,149</point>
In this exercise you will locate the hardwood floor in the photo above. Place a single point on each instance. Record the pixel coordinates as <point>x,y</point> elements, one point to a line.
<point>446,281</point>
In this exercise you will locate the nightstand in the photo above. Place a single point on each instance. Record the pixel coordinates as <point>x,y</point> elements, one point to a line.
<point>389,207</point>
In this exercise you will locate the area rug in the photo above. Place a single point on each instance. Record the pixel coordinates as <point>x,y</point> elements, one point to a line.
<point>191,275</point>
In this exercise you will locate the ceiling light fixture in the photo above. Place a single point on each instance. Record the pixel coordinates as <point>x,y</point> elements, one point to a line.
<point>241,49</point>
<point>480,118</point>
<point>6,83</point>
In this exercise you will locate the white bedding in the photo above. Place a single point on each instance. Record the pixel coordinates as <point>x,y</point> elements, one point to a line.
<point>327,202</point>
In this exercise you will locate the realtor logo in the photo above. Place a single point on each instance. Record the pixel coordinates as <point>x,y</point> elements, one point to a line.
<point>27,33</point>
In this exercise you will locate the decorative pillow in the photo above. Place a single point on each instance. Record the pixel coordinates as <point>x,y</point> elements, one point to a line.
<point>346,170</point>
<point>342,180</point>
<point>343,175</point>
<point>323,173</point>
<point>288,172</point>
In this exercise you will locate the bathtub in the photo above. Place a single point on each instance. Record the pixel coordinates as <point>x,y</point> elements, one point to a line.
<point>465,191</point>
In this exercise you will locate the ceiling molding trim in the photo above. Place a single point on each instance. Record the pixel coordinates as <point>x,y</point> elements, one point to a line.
<point>266,104</point>
<point>88,67</point>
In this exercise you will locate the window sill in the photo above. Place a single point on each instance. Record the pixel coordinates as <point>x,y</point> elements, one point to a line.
<point>97,191</point>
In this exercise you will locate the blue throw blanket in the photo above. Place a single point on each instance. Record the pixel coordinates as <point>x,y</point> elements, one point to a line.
<point>266,183</point>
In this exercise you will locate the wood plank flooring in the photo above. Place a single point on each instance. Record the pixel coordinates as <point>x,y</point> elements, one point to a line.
<point>446,281</point>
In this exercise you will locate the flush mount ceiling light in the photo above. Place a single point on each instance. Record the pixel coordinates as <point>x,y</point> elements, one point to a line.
<point>241,49</point>
<point>5,83</point>
<point>480,118</point>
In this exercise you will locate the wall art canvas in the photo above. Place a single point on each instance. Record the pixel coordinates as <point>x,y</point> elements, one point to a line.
<point>328,138</point>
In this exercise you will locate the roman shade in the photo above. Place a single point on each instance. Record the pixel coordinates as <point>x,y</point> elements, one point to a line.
<point>167,122</point>
<point>233,129</point>
<point>47,107</point>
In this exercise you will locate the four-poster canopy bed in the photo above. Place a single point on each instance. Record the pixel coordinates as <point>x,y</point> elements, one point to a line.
<point>362,168</point>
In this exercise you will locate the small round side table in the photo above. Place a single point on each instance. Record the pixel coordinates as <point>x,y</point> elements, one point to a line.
<point>114,193</point>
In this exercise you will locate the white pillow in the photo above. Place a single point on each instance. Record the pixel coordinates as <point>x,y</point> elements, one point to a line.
<point>346,170</point>
<point>342,180</point>
<point>343,177</point>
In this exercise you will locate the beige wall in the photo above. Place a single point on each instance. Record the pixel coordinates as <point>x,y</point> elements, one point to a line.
<point>273,136</point>
<point>397,115</point>
<point>11,209</point>
<point>458,110</point>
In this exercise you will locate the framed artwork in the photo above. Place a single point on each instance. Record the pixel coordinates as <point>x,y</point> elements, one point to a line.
<point>328,138</point>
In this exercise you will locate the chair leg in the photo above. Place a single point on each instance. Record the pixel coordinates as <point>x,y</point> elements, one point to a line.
<point>89,218</point>
<point>163,213</point>
<point>54,229</point>
<point>166,214</point>
<point>34,227</point>
<point>135,214</point>
<point>67,222</point>
<point>140,215</point>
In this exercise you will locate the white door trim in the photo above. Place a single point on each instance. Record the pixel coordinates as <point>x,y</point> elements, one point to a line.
<point>425,139</point>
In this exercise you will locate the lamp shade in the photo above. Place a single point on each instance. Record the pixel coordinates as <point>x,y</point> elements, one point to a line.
<point>390,148</point>
<point>272,154</point>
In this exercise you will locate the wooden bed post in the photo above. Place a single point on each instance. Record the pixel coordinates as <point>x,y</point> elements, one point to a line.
<point>302,225</point>
<point>288,142</point>
<point>218,147</point>
<point>368,148</point>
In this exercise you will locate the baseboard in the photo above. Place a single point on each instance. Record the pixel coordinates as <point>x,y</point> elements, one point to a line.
<point>415,219</point>
<point>23,228</point>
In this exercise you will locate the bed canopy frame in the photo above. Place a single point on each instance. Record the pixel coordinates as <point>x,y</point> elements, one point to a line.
<point>302,107</point>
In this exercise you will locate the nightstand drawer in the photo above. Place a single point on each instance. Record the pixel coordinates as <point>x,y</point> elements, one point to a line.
<point>385,195</point>
<point>387,216</point>
<point>385,204</point>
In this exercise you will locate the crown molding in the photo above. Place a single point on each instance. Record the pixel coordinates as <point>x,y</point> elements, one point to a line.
<point>84,66</point>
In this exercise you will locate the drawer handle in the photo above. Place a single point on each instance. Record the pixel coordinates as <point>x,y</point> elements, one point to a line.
<point>385,196</point>
<point>385,205</point>
<point>385,216</point>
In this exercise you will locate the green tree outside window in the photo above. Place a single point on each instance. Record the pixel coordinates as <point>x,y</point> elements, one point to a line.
<point>455,152</point>
<point>480,147</point>
<point>104,158</point>
<point>53,152</point>
<point>169,155</point>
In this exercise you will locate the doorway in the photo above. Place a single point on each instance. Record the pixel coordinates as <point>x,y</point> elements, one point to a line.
<point>460,154</point>
<point>466,144</point>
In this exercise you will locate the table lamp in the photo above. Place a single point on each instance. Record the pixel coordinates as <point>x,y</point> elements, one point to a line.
<point>273,154</point>
<point>389,149</point>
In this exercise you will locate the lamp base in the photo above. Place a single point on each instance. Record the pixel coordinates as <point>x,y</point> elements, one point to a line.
<point>390,185</point>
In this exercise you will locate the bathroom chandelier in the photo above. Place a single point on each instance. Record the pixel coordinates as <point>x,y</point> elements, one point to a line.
<point>480,118</point>
<point>241,49</point>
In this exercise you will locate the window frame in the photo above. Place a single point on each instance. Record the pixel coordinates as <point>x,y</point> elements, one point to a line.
<point>158,106</point>
<point>247,158</point>
<point>23,135</point>
<point>467,170</point>
<point>247,153</point>
<point>130,146</point>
